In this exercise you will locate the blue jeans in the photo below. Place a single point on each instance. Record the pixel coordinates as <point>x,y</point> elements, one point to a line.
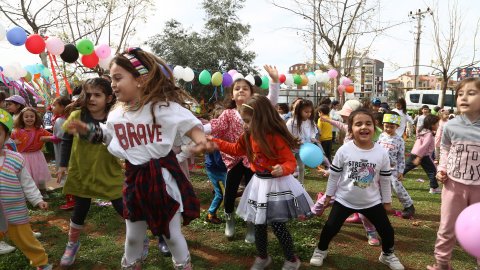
<point>216,177</point>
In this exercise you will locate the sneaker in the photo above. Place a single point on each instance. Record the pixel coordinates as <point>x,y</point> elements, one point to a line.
<point>435,190</point>
<point>162,246</point>
<point>440,267</point>
<point>212,218</point>
<point>318,257</point>
<point>183,266</point>
<point>373,239</point>
<point>250,236</point>
<point>5,248</point>
<point>70,253</point>
<point>391,261</point>
<point>230,225</point>
<point>408,212</point>
<point>355,218</point>
<point>288,265</point>
<point>146,246</point>
<point>45,267</point>
<point>67,206</point>
<point>37,234</point>
<point>260,264</point>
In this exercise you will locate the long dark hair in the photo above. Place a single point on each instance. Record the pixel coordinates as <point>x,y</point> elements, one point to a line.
<point>82,101</point>
<point>265,121</point>
<point>230,103</point>
<point>430,121</point>
<point>403,104</point>
<point>297,119</point>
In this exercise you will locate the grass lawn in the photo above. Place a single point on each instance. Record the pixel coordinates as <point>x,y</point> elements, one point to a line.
<point>103,240</point>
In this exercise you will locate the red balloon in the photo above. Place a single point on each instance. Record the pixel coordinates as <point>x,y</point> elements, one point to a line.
<point>349,89</point>
<point>35,44</point>
<point>282,78</point>
<point>90,60</point>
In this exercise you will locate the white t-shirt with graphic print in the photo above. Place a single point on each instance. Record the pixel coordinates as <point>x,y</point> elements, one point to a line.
<point>360,178</point>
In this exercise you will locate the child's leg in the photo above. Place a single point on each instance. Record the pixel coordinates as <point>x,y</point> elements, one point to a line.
<point>216,178</point>
<point>367,224</point>
<point>402,193</point>
<point>22,237</point>
<point>429,167</point>
<point>409,164</point>
<point>234,176</point>
<point>285,239</point>
<point>337,217</point>
<point>378,216</point>
<point>177,243</point>
<point>301,168</point>
<point>453,203</point>
<point>118,206</point>
<point>327,147</point>
<point>261,240</point>
<point>135,237</point>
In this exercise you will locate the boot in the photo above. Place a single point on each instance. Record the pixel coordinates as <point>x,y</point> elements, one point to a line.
<point>162,246</point>
<point>250,236</point>
<point>230,225</point>
<point>70,203</point>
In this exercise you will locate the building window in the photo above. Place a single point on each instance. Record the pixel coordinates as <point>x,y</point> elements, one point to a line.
<point>409,84</point>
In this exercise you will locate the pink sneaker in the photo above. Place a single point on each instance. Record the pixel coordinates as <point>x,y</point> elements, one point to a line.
<point>373,239</point>
<point>355,218</point>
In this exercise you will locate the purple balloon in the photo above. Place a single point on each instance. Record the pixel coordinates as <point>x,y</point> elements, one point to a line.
<point>227,80</point>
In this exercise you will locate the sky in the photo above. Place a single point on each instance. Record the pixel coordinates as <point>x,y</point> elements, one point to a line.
<point>276,44</point>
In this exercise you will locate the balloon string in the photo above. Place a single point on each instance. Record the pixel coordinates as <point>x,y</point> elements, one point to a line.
<point>67,84</point>
<point>54,73</point>
<point>211,98</point>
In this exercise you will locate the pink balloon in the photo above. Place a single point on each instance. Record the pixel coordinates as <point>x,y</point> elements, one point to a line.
<point>103,51</point>
<point>347,81</point>
<point>467,229</point>
<point>341,89</point>
<point>55,45</point>
<point>232,72</point>
<point>332,73</point>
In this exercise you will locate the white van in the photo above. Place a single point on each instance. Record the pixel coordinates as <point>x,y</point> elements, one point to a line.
<point>417,98</point>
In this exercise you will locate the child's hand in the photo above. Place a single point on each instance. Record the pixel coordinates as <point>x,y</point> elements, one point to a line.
<point>417,161</point>
<point>77,127</point>
<point>277,170</point>
<point>209,137</point>
<point>62,171</point>
<point>400,176</point>
<point>441,176</point>
<point>203,147</point>
<point>435,162</point>
<point>272,72</point>
<point>326,203</point>
<point>42,205</point>
<point>322,170</point>
<point>387,207</point>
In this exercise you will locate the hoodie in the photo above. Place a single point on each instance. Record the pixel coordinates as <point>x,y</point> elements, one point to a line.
<point>425,143</point>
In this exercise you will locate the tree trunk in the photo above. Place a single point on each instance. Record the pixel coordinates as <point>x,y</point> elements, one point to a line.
<point>444,89</point>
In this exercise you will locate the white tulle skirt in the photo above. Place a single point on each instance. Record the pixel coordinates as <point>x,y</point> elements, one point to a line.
<point>268,199</point>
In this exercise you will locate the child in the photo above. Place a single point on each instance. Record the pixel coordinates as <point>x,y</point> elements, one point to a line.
<point>217,173</point>
<point>395,147</point>
<point>378,116</point>
<point>336,117</point>
<point>15,105</point>
<point>30,137</point>
<point>16,185</point>
<point>360,181</point>
<point>422,151</point>
<point>229,127</point>
<point>443,115</point>
<point>92,171</point>
<point>302,127</point>
<point>142,130</point>
<point>458,169</point>
<point>282,109</point>
<point>273,196</point>
<point>58,108</point>
<point>326,133</point>
<point>424,111</point>
<point>401,109</point>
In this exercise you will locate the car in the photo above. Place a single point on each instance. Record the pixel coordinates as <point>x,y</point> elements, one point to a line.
<point>417,98</point>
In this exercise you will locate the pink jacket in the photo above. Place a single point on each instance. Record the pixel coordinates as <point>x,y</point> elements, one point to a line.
<point>425,144</point>
<point>438,134</point>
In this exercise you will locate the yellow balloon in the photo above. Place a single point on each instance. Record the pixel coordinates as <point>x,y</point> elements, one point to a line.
<point>304,80</point>
<point>217,78</point>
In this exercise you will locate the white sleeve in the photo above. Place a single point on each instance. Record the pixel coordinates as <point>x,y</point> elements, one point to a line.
<point>107,135</point>
<point>385,180</point>
<point>273,93</point>
<point>29,188</point>
<point>183,119</point>
<point>336,172</point>
<point>207,128</point>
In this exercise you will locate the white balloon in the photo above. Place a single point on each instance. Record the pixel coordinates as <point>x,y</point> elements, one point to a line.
<point>318,76</point>
<point>289,79</point>
<point>311,80</point>
<point>8,71</point>
<point>318,72</point>
<point>105,62</point>
<point>239,75</point>
<point>178,72</point>
<point>188,74</point>
<point>22,72</point>
<point>3,32</point>
<point>250,78</point>
<point>325,78</point>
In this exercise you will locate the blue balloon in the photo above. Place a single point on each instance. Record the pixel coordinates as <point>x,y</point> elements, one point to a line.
<point>311,155</point>
<point>1,68</point>
<point>16,36</point>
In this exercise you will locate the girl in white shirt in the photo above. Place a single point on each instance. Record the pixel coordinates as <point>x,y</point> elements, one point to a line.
<point>360,181</point>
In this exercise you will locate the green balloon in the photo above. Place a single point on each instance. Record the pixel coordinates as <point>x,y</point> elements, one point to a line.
<point>28,77</point>
<point>217,78</point>
<point>265,82</point>
<point>204,77</point>
<point>297,79</point>
<point>85,47</point>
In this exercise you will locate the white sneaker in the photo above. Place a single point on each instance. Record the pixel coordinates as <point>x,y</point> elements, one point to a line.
<point>318,257</point>
<point>391,261</point>
<point>5,248</point>
<point>435,190</point>
<point>288,265</point>
<point>37,234</point>
<point>250,236</point>
<point>229,225</point>
<point>260,263</point>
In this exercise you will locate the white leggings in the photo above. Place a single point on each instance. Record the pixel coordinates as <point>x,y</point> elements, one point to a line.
<point>136,235</point>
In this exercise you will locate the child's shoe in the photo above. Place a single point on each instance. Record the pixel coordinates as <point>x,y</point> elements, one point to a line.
<point>5,248</point>
<point>133,266</point>
<point>250,236</point>
<point>37,234</point>
<point>355,218</point>
<point>435,190</point>
<point>45,267</point>
<point>373,239</point>
<point>318,208</point>
<point>408,212</point>
<point>146,246</point>
<point>212,218</point>
<point>162,246</point>
<point>391,261</point>
<point>70,203</point>
<point>183,266</point>
<point>260,264</point>
<point>318,257</point>
<point>70,253</point>
<point>230,225</point>
<point>288,265</point>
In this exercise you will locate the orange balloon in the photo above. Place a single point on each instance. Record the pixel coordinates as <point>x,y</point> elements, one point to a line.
<point>349,89</point>
<point>304,80</point>
<point>37,76</point>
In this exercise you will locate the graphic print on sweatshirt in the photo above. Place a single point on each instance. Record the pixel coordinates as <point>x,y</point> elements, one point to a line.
<point>464,160</point>
<point>361,173</point>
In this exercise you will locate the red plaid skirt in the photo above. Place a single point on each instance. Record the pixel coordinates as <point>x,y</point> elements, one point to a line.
<point>145,195</point>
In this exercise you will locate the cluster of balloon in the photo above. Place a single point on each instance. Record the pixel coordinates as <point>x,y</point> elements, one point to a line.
<point>310,78</point>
